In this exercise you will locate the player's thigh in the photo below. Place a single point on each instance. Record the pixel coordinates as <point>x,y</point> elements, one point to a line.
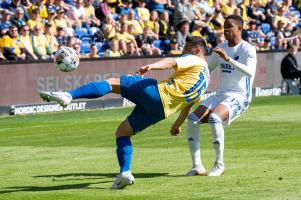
<point>202,113</point>
<point>124,129</point>
<point>114,84</point>
<point>222,111</point>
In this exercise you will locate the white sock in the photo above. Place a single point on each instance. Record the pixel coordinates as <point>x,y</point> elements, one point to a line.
<point>193,138</point>
<point>218,137</point>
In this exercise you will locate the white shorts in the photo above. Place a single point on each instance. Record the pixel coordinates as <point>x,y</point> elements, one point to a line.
<point>236,106</point>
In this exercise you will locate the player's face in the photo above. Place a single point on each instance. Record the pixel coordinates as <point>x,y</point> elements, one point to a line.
<point>231,30</point>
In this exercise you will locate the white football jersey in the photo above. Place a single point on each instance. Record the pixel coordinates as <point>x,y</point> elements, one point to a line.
<point>234,81</point>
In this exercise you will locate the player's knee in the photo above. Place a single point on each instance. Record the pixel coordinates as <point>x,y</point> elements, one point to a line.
<point>193,119</point>
<point>214,119</point>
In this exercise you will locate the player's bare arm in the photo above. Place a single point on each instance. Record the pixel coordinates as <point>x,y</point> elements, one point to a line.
<point>175,129</point>
<point>163,64</point>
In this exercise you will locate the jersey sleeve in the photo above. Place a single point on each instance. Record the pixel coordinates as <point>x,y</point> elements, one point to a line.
<point>213,61</point>
<point>186,61</point>
<point>249,67</point>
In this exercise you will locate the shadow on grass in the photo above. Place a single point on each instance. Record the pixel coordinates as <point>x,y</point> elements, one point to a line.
<point>51,188</point>
<point>98,175</point>
<point>69,176</point>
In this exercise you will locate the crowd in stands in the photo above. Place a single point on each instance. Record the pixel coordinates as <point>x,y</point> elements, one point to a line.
<point>35,29</point>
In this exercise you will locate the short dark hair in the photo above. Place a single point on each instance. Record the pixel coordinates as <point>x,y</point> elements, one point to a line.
<point>238,20</point>
<point>196,41</point>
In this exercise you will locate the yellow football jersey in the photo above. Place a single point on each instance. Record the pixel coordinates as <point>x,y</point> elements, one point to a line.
<point>186,84</point>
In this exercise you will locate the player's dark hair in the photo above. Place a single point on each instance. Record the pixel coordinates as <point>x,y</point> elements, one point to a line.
<point>237,19</point>
<point>196,41</point>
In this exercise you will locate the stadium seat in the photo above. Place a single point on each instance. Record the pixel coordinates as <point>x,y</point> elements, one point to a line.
<point>99,46</point>
<point>273,41</point>
<point>266,28</point>
<point>81,32</point>
<point>85,47</point>
<point>157,43</point>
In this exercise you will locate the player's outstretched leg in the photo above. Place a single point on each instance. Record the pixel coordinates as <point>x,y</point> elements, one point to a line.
<point>124,155</point>
<point>90,90</point>
<point>193,137</point>
<point>218,143</point>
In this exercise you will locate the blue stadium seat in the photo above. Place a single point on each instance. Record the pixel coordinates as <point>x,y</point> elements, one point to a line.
<point>81,32</point>
<point>85,47</point>
<point>157,43</point>
<point>99,46</point>
<point>273,41</point>
<point>265,27</point>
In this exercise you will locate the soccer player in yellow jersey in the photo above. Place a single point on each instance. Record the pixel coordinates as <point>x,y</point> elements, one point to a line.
<point>155,100</point>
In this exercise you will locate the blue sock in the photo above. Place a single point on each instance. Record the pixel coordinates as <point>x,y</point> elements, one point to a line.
<point>91,90</point>
<point>124,153</point>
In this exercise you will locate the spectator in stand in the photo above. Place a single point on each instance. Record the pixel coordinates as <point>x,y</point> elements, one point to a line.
<point>165,29</point>
<point>243,6</point>
<point>93,51</point>
<point>77,14</point>
<point>220,38</point>
<point>142,12</point>
<point>253,34</point>
<point>114,50</point>
<point>5,21</point>
<point>183,11</point>
<point>51,39</point>
<point>19,20</point>
<point>132,50</point>
<point>26,41</point>
<point>281,17</point>
<point>271,10</point>
<point>197,31</point>
<point>124,35</point>
<point>90,13</point>
<point>13,5</point>
<point>145,42</point>
<point>205,7</point>
<point>40,5</point>
<point>229,8</point>
<point>182,34</point>
<point>11,45</point>
<point>61,4</point>
<point>50,19</point>
<point>174,47</point>
<point>126,9</point>
<point>255,12</point>
<point>281,43</point>
<point>153,23</point>
<point>157,5</point>
<point>61,20</point>
<point>218,22</point>
<point>35,20</point>
<point>110,27</point>
<point>266,46</point>
<point>103,10</point>
<point>297,41</point>
<point>122,47</point>
<point>289,65</point>
<point>281,31</point>
<point>49,4</point>
<point>196,9</point>
<point>40,44</point>
<point>76,47</point>
<point>137,29</point>
<point>61,37</point>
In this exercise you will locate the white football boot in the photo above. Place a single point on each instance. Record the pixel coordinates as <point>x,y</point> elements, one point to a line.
<point>63,98</point>
<point>198,170</point>
<point>217,170</point>
<point>123,179</point>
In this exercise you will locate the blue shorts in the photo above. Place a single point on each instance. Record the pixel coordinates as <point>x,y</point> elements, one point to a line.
<point>144,93</point>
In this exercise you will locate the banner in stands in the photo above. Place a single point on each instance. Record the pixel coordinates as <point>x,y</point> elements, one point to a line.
<point>21,82</point>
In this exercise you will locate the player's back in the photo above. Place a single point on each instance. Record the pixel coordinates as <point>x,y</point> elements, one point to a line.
<point>186,84</point>
<point>232,80</point>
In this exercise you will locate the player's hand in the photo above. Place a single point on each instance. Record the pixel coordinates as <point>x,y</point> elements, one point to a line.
<point>222,53</point>
<point>142,70</point>
<point>175,130</point>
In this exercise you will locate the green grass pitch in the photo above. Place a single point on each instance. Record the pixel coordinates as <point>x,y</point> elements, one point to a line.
<point>71,155</point>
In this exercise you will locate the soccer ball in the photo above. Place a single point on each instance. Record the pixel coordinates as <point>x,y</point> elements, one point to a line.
<point>66,59</point>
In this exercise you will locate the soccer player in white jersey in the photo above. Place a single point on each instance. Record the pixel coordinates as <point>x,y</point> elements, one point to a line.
<point>236,62</point>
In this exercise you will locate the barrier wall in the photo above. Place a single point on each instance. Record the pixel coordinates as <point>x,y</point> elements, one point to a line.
<point>20,82</point>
